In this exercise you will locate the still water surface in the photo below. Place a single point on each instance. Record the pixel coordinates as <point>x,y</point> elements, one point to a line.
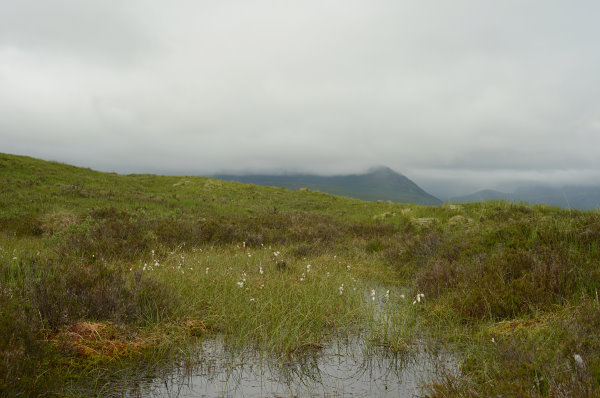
<point>344,368</point>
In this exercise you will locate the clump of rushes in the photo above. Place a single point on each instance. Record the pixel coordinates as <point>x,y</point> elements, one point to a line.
<point>394,322</point>
<point>251,301</point>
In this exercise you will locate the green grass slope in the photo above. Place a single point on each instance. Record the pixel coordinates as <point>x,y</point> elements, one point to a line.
<point>32,187</point>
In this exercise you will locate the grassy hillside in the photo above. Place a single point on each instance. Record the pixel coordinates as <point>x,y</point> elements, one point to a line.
<point>104,273</point>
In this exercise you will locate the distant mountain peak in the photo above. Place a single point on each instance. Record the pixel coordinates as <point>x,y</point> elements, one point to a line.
<point>382,170</point>
<point>379,183</point>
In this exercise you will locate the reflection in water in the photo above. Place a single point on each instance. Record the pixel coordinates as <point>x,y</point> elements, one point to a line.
<point>345,368</point>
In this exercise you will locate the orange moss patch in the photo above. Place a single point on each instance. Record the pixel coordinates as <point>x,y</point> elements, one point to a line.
<point>102,339</point>
<point>87,339</point>
<point>195,327</point>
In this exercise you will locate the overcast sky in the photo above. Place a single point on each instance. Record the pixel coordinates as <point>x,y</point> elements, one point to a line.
<point>461,94</point>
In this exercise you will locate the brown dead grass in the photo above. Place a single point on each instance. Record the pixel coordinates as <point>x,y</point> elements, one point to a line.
<point>57,221</point>
<point>102,339</point>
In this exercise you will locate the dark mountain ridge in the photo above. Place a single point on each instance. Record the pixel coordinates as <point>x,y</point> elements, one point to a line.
<point>381,183</point>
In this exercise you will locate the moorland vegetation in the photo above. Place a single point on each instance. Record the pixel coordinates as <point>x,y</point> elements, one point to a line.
<point>101,272</point>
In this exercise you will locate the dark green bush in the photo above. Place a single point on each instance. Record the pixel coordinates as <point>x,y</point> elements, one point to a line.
<point>374,245</point>
<point>508,270</point>
<point>69,292</point>
<point>27,225</point>
<point>23,353</point>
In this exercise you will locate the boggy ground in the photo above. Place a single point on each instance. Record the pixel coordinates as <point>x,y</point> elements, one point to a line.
<point>101,272</point>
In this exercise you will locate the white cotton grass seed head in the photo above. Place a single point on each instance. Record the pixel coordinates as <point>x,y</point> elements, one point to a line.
<point>579,360</point>
<point>372,294</point>
<point>260,270</point>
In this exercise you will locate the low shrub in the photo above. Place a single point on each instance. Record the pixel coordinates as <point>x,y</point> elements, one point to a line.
<point>62,293</point>
<point>23,354</point>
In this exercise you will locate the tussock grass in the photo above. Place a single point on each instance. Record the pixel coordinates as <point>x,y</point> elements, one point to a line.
<point>242,293</point>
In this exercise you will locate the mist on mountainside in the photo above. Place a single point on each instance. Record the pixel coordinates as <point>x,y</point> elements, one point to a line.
<point>568,197</point>
<point>379,183</point>
<point>383,183</point>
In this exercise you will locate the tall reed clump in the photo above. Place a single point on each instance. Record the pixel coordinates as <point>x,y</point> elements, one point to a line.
<point>263,298</point>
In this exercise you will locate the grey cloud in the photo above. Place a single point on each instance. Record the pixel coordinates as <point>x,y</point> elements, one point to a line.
<point>443,91</point>
<point>101,30</point>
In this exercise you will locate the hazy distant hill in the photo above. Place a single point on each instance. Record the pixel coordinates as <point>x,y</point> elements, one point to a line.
<point>378,184</point>
<point>482,196</point>
<point>574,197</point>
